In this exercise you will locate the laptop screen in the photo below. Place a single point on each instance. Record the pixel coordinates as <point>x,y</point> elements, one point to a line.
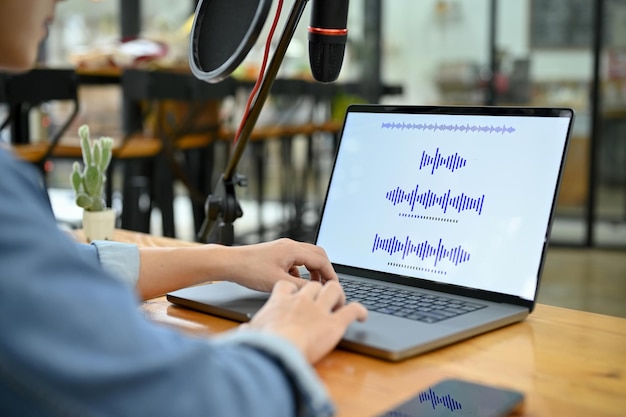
<point>455,195</point>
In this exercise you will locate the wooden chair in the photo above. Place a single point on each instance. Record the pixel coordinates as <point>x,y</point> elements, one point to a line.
<point>182,113</point>
<point>26,91</point>
<point>23,92</point>
<point>297,184</point>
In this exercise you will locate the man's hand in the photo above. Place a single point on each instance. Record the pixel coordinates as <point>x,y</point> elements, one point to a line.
<point>257,266</point>
<point>313,317</point>
<point>261,265</point>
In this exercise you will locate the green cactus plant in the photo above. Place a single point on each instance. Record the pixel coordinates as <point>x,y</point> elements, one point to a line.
<point>88,181</point>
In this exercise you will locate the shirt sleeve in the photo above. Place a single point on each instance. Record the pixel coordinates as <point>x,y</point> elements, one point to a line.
<point>119,259</point>
<point>73,342</point>
<point>313,400</point>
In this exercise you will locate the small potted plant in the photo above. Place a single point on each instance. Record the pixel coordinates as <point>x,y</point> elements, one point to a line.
<point>88,184</point>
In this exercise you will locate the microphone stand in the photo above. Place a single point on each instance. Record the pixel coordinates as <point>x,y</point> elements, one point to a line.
<point>222,207</point>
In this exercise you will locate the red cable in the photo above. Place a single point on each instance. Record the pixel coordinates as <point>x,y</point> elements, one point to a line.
<point>257,85</point>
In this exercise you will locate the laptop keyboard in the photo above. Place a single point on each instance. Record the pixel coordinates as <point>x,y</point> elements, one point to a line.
<point>409,304</point>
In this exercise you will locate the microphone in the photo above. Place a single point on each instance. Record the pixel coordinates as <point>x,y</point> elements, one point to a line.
<point>328,34</point>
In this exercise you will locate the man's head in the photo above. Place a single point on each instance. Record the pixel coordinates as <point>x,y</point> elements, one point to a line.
<point>23,25</point>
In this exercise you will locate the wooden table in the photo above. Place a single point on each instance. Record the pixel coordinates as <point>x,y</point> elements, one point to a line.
<point>567,362</point>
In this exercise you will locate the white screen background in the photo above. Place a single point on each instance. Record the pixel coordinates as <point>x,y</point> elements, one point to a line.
<point>510,171</point>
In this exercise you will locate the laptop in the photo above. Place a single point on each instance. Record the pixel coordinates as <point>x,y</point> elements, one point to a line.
<point>437,218</point>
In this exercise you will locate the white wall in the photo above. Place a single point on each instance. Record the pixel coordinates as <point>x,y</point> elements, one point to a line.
<point>417,39</point>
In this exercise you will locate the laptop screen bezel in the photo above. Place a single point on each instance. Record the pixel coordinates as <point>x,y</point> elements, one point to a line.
<point>457,110</point>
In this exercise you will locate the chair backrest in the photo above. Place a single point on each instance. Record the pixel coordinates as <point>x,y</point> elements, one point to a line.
<point>25,91</point>
<point>192,104</point>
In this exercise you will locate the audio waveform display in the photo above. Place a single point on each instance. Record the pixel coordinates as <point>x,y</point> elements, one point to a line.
<point>452,162</point>
<point>467,128</point>
<point>428,199</point>
<point>422,250</point>
<point>446,400</point>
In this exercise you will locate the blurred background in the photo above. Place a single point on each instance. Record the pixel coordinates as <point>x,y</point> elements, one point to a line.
<point>482,52</point>
<point>527,52</point>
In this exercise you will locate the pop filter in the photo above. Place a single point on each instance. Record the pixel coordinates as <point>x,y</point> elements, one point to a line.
<point>222,34</point>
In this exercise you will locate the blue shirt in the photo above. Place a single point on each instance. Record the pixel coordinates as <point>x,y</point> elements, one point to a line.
<point>74,342</point>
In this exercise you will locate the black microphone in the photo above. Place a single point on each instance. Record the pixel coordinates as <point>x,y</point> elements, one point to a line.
<point>328,34</point>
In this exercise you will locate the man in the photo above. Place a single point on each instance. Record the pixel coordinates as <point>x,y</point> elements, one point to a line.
<point>72,341</point>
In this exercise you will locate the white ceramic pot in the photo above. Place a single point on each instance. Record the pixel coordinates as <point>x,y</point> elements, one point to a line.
<point>98,225</point>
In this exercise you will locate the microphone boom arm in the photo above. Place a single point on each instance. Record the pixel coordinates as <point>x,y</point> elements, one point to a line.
<point>222,207</point>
